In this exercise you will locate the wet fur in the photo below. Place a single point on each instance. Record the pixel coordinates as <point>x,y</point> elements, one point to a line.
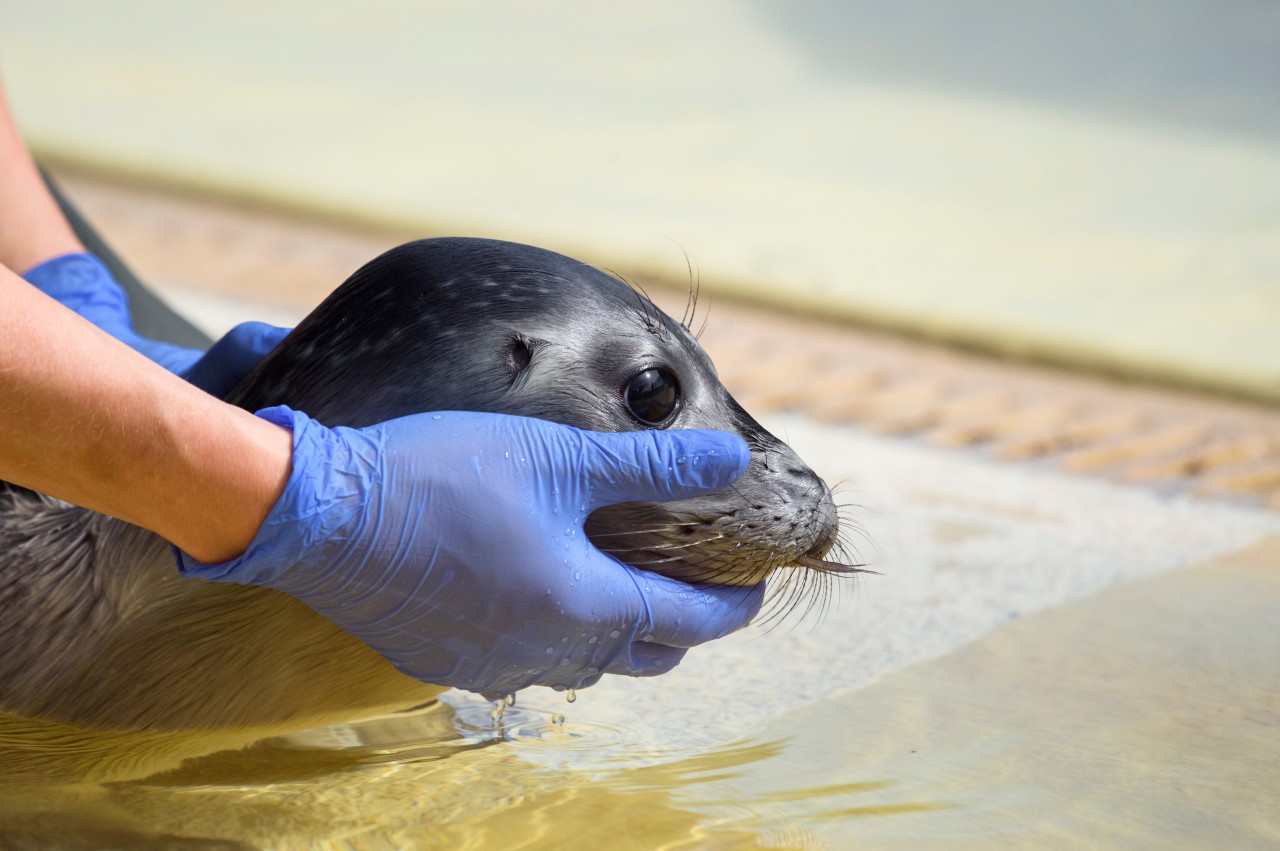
<point>98,629</point>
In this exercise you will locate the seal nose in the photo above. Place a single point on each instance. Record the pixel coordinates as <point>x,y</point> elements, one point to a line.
<point>826,525</point>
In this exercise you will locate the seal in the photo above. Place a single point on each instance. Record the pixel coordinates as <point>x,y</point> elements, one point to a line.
<point>99,630</point>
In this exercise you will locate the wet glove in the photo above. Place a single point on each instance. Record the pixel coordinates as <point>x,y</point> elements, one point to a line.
<point>82,283</point>
<point>453,544</point>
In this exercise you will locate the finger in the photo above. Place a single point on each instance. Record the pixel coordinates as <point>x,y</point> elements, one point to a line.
<point>589,681</point>
<point>645,659</point>
<point>245,345</point>
<point>661,465</point>
<point>684,615</point>
<point>233,357</point>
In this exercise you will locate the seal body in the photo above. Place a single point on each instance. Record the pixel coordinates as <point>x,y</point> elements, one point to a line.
<point>100,631</point>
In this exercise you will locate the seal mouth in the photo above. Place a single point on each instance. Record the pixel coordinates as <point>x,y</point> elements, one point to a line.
<point>802,584</point>
<point>717,557</point>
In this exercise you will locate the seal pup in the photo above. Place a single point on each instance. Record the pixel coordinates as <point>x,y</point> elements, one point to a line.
<point>100,631</point>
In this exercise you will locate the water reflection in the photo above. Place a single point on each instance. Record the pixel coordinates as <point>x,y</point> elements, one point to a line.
<point>1142,715</point>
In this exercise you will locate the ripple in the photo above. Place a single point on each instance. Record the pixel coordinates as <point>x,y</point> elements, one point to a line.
<point>554,731</point>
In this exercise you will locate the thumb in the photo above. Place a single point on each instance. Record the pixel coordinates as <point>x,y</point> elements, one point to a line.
<point>233,357</point>
<point>656,466</point>
<point>250,342</point>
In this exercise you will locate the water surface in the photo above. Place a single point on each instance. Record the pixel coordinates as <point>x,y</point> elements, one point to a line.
<point>1047,661</point>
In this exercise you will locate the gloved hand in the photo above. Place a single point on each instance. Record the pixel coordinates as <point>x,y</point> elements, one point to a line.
<point>452,543</point>
<point>82,283</point>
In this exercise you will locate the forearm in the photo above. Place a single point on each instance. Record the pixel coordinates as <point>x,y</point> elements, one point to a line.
<point>88,420</point>
<point>32,228</point>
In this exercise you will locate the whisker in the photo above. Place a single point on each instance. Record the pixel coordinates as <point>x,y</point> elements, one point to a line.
<point>834,567</point>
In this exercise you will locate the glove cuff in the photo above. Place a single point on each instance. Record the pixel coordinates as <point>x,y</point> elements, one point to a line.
<point>306,520</point>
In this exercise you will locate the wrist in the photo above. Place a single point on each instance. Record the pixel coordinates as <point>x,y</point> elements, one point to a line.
<point>87,420</point>
<point>218,508</point>
<point>310,512</point>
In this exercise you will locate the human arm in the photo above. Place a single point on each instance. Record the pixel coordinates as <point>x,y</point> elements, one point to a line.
<point>82,282</point>
<point>32,228</point>
<point>97,424</point>
<point>37,241</point>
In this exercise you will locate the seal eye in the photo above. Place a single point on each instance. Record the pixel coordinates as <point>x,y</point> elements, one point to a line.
<point>652,396</point>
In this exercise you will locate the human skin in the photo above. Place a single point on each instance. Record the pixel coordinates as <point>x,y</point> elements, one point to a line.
<point>90,421</point>
<point>32,228</point>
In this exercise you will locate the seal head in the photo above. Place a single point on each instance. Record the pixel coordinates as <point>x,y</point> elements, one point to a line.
<point>483,325</point>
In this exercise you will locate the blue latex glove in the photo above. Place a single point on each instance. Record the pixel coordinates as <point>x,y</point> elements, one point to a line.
<point>82,283</point>
<point>452,543</point>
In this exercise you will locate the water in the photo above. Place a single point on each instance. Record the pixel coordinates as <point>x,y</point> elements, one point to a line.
<point>1046,661</point>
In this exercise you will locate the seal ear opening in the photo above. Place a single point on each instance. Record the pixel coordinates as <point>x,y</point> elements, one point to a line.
<point>519,354</point>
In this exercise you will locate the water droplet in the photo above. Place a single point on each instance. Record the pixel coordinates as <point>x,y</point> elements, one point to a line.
<point>499,710</point>
<point>550,650</point>
<point>570,695</point>
<point>564,639</point>
<point>564,661</point>
<point>577,574</point>
<point>557,718</point>
<point>435,416</point>
<point>614,633</point>
<point>593,639</point>
<point>509,700</point>
<point>506,454</point>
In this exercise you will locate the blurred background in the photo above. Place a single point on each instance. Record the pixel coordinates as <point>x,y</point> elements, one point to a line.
<point>1091,183</point>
